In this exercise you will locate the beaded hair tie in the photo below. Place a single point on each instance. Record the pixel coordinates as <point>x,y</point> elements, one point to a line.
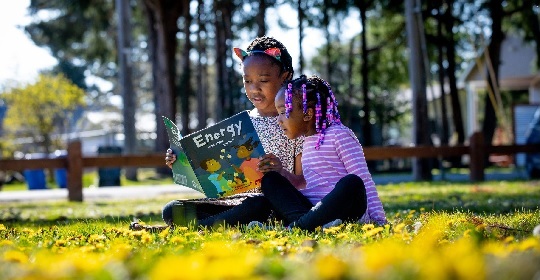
<point>318,113</point>
<point>288,100</point>
<point>304,98</point>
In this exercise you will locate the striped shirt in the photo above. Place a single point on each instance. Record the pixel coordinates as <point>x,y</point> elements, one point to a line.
<point>339,155</point>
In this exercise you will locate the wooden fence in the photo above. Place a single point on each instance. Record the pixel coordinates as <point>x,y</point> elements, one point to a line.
<point>74,162</point>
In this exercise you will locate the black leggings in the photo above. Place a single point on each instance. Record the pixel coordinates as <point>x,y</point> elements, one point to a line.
<point>347,201</point>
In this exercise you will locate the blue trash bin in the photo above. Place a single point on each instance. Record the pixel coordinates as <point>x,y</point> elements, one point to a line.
<point>35,178</point>
<point>60,174</point>
<point>109,176</point>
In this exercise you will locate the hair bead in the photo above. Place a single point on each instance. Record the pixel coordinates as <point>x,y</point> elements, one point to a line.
<point>318,113</point>
<point>304,98</point>
<point>288,100</point>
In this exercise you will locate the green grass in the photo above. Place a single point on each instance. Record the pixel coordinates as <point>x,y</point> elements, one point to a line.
<point>437,230</point>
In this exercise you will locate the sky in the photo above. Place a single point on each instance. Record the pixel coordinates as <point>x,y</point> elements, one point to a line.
<point>21,60</point>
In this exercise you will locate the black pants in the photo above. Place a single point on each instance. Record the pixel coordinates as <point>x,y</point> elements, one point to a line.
<point>252,208</point>
<point>347,201</point>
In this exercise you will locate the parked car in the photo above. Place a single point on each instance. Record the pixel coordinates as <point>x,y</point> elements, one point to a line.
<point>532,136</point>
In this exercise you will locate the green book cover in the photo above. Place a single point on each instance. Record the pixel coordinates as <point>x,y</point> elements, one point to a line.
<point>224,156</point>
<point>182,172</point>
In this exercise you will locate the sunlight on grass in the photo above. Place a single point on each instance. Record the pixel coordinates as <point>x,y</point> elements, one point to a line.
<point>470,231</point>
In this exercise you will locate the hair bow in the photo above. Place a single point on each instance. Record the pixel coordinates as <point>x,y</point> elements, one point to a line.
<point>273,52</point>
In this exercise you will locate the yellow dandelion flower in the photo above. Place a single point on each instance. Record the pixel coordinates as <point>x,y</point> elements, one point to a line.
<point>508,239</point>
<point>15,256</point>
<point>146,238</point>
<point>164,234</point>
<point>96,238</point>
<point>6,243</point>
<point>2,227</point>
<point>529,244</point>
<point>27,231</point>
<point>372,232</point>
<point>330,267</point>
<point>399,228</point>
<point>60,243</point>
<point>367,227</point>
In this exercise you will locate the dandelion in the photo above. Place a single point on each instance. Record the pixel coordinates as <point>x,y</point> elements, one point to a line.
<point>399,228</point>
<point>529,244</point>
<point>2,227</point>
<point>15,256</point>
<point>367,227</point>
<point>6,243</point>
<point>371,233</point>
<point>330,267</point>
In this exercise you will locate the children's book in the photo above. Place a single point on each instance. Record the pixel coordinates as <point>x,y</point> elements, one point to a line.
<point>220,160</point>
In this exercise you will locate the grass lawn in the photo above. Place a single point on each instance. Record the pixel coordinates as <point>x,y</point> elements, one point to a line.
<point>436,230</point>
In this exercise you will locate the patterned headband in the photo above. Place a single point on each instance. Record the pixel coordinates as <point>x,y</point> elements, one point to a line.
<point>273,52</point>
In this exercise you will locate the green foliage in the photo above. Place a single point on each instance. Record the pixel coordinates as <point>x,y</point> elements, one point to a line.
<point>36,110</point>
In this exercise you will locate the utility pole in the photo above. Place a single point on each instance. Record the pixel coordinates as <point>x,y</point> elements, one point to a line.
<point>417,76</point>
<point>126,82</point>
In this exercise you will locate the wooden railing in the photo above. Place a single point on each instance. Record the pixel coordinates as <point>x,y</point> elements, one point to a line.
<point>74,162</point>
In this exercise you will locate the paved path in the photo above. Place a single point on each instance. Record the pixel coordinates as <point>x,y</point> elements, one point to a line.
<point>96,193</point>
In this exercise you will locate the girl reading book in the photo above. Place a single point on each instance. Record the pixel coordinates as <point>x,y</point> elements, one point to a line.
<point>266,64</point>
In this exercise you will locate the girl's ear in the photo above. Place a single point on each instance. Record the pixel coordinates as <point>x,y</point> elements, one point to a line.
<point>284,76</point>
<point>308,116</point>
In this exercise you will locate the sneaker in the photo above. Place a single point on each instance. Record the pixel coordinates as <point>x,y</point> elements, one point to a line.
<point>135,226</point>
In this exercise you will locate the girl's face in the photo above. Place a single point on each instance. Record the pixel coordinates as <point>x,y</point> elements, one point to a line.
<point>298,124</point>
<point>262,82</point>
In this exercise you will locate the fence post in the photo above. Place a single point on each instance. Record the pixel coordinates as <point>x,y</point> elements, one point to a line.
<point>477,153</point>
<point>74,171</point>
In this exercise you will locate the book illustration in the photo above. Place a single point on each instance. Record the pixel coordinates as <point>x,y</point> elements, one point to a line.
<point>223,157</point>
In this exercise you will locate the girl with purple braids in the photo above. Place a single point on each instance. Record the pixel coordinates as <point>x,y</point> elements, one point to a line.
<point>338,185</point>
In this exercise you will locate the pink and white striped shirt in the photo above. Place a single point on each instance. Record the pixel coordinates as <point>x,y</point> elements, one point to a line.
<point>339,155</point>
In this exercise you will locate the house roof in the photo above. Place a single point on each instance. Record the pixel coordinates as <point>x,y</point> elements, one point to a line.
<point>517,68</point>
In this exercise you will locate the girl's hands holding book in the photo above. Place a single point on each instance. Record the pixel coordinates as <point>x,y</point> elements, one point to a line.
<point>269,162</point>
<point>170,158</point>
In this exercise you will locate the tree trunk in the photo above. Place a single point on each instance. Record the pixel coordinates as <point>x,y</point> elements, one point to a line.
<point>260,18</point>
<point>201,70</point>
<point>494,48</point>
<point>162,16</point>
<point>366,124</point>
<point>301,17</point>
<point>417,73</point>
<point>350,87</point>
<point>440,49</point>
<point>223,26</point>
<point>185,91</point>
<point>326,25</point>
<point>126,83</point>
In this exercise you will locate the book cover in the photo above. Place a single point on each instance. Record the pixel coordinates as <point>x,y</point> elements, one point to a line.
<point>223,157</point>
<point>182,172</point>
